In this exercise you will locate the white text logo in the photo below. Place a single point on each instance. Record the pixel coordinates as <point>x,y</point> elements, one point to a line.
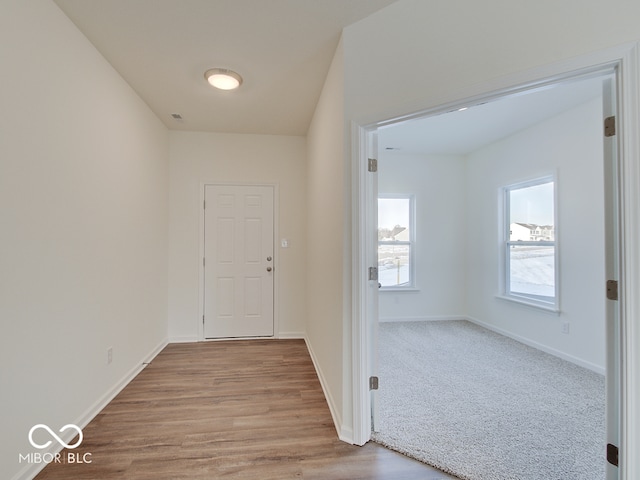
<point>60,457</point>
<point>56,437</point>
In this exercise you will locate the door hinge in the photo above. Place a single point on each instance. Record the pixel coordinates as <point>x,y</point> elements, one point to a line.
<point>612,454</point>
<point>373,273</point>
<point>612,289</point>
<point>203,261</point>
<point>609,126</point>
<point>373,383</point>
<point>372,165</point>
<point>202,319</point>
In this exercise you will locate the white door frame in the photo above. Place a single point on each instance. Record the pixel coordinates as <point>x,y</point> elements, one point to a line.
<point>276,255</point>
<point>626,59</point>
<point>612,263</point>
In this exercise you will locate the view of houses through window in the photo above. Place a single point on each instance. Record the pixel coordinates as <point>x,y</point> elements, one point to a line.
<point>395,241</point>
<point>531,247</point>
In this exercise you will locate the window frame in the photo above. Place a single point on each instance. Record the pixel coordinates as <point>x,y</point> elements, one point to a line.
<point>507,244</point>
<point>411,284</point>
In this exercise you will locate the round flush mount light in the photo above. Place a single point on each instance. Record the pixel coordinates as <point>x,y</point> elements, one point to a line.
<point>223,79</point>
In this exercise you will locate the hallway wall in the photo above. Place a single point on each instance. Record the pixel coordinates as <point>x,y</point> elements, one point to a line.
<point>83,222</point>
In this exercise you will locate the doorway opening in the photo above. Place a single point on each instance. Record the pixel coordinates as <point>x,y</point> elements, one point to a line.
<point>473,191</point>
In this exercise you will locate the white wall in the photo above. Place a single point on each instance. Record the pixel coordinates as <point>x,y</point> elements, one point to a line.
<point>198,158</point>
<point>328,335</point>
<point>83,227</point>
<point>414,55</point>
<point>438,183</point>
<point>570,146</point>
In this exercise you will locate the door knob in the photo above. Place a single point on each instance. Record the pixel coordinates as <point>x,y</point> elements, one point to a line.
<point>268,269</point>
<point>268,259</point>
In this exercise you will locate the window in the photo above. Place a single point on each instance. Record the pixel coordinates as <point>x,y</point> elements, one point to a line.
<point>530,248</point>
<point>395,241</point>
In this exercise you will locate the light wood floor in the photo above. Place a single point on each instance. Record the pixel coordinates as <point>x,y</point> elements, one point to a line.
<point>240,410</point>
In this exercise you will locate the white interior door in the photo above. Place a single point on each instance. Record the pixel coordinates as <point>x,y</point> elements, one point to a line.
<point>238,261</point>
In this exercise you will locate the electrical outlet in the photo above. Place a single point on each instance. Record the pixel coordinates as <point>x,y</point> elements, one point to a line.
<point>109,355</point>
<point>565,327</point>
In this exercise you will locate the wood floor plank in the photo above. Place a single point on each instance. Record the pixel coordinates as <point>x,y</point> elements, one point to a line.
<point>238,410</point>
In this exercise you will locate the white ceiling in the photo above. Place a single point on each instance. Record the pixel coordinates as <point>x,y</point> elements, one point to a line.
<point>462,132</point>
<point>282,48</point>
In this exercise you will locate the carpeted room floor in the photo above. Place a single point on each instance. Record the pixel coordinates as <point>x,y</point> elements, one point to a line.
<point>485,407</point>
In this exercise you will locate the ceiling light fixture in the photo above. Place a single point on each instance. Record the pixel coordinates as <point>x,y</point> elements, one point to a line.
<point>223,79</point>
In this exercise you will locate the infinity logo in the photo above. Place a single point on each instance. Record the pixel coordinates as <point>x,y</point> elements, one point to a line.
<point>53,434</point>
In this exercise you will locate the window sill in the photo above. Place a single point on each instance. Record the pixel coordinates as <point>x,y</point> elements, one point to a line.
<point>530,303</point>
<point>398,289</point>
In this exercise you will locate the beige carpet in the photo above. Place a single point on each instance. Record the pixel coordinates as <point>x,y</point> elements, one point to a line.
<point>484,407</point>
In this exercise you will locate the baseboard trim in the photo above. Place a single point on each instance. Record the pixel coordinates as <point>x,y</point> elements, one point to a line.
<point>343,434</point>
<point>433,318</point>
<point>291,335</point>
<point>183,339</point>
<point>346,435</point>
<point>539,346</point>
<point>194,339</point>
<point>31,470</point>
<point>98,406</point>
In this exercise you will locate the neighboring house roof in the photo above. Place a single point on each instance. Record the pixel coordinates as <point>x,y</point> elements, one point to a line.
<point>396,230</point>
<point>397,233</point>
<point>530,231</point>
<point>530,226</point>
<point>533,226</point>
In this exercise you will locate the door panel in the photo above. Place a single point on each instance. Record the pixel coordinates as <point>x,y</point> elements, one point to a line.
<point>238,263</point>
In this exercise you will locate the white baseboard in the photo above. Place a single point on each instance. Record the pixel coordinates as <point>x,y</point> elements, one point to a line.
<point>346,435</point>
<point>184,339</point>
<point>433,318</point>
<point>31,470</point>
<point>194,339</point>
<point>154,353</point>
<point>538,346</point>
<point>291,335</point>
<point>343,434</point>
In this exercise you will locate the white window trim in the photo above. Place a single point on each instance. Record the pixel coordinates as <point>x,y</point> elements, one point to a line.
<point>411,286</point>
<point>505,243</point>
